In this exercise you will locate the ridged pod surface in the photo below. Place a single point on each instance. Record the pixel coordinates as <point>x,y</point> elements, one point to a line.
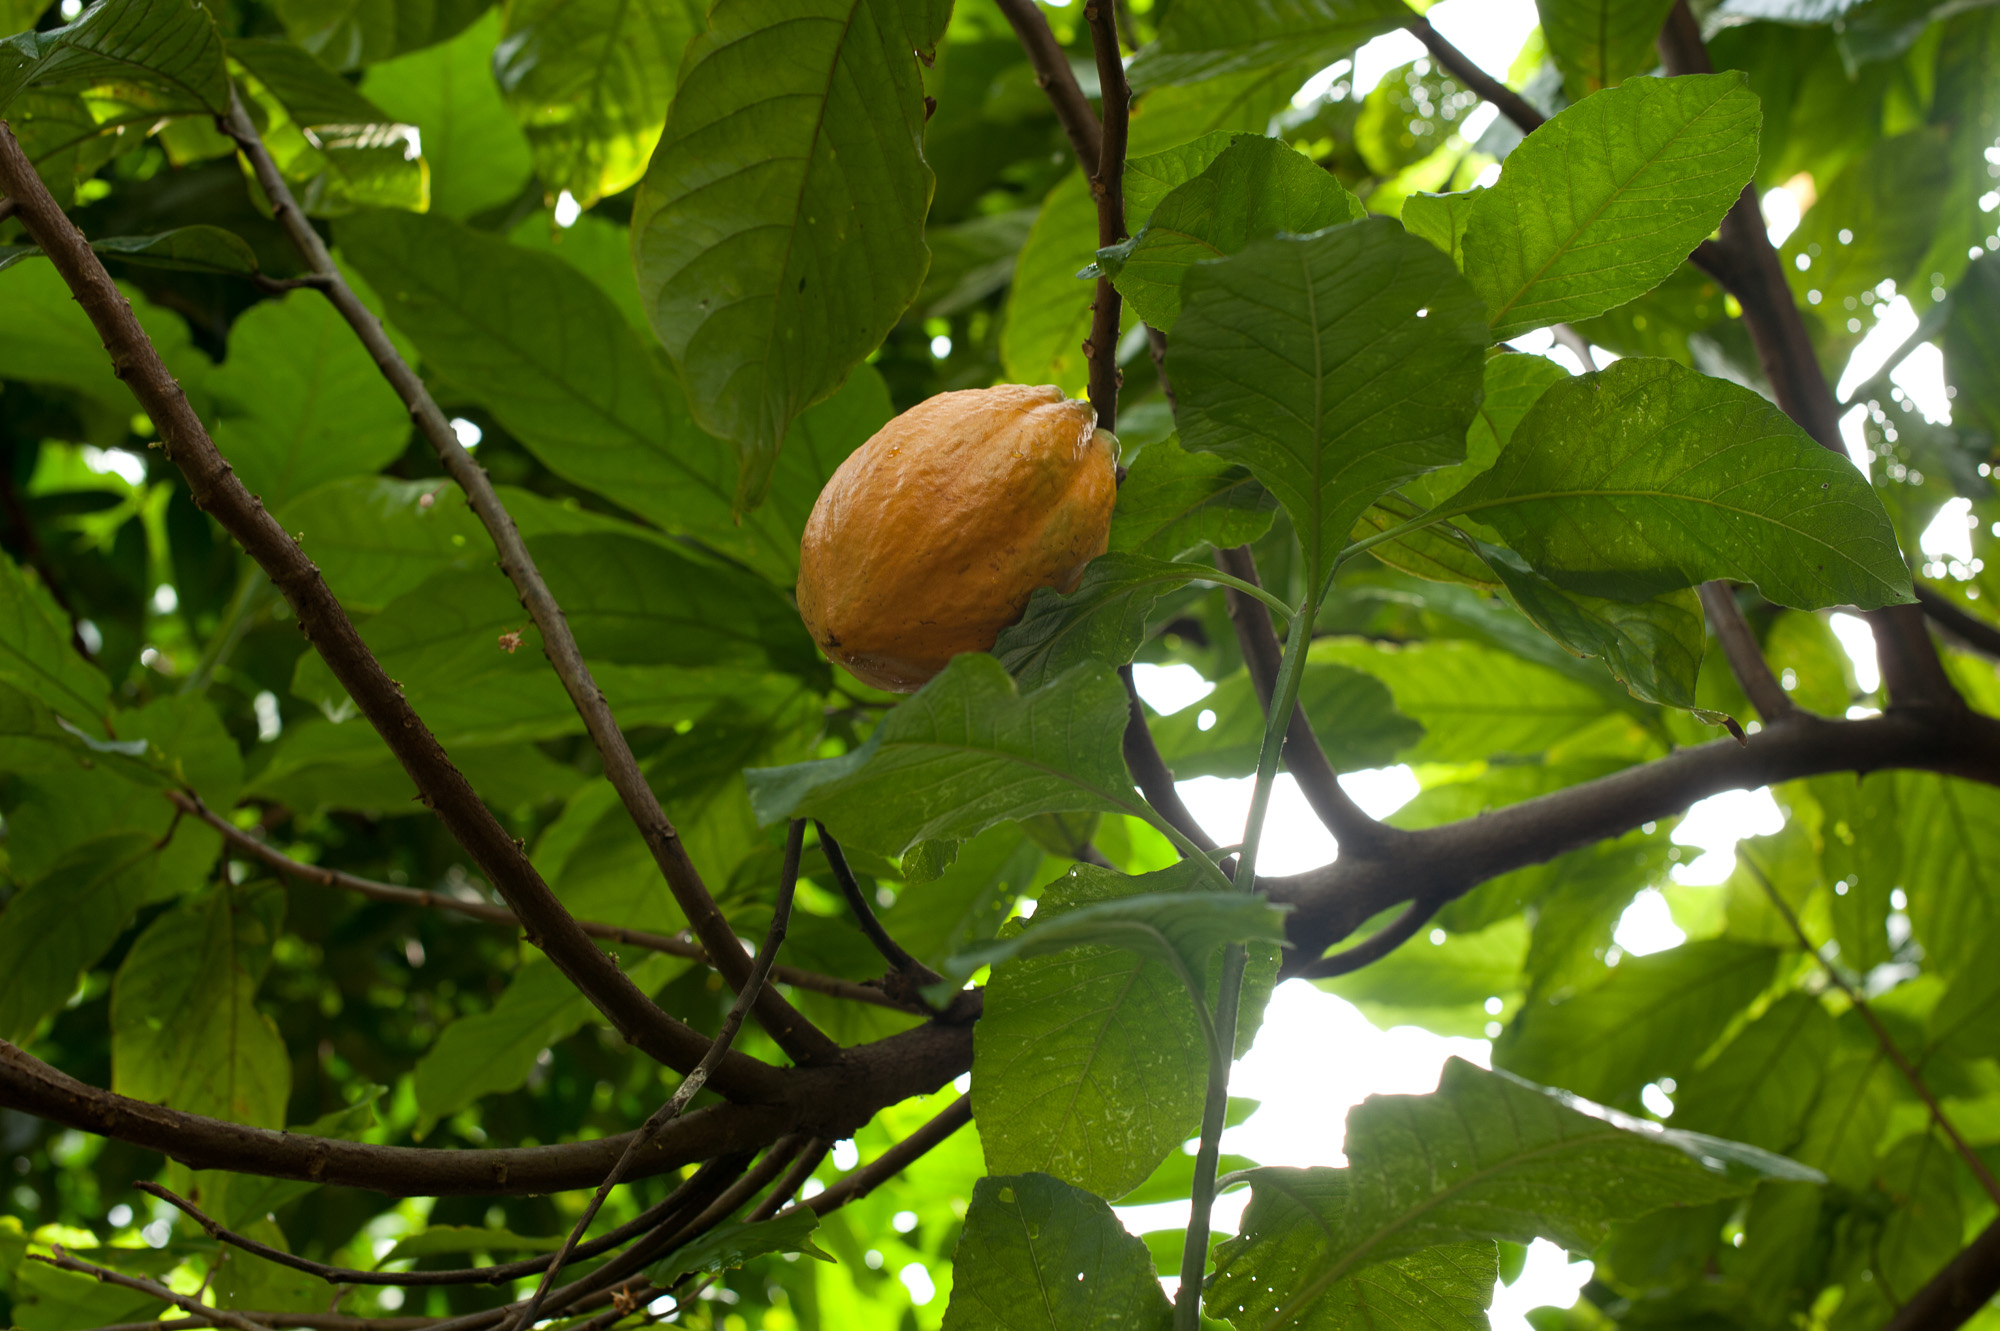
<point>930,538</point>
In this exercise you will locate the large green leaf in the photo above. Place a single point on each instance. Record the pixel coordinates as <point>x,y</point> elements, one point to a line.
<point>779,230</point>
<point>185,1029</point>
<point>1039,1255</point>
<point>591,81</point>
<point>1353,715</point>
<point>1048,309</point>
<point>56,927</point>
<point>46,338</point>
<point>1089,1063</point>
<point>1485,1157</point>
<point>1472,701</point>
<point>478,157</point>
<point>1333,366</point>
<point>350,33</point>
<point>1607,199</point>
<point>1921,1175</point>
<point>963,753</point>
<point>1203,38</point>
<point>1599,44</point>
<point>1951,865</point>
<point>1875,220</point>
<point>1972,346</point>
<point>188,249</point>
<point>340,151</point>
<point>1257,187</point>
<point>1648,477</point>
<point>301,401</point>
<point>37,658</point>
<point>1654,647</point>
<point>1861,846</point>
<point>1441,985</point>
<point>169,45</point>
<point>1759,1088</point>
<point>495,1050</point>
<point>1651,1017</point>
<point>1103,620</point>
<point>729,1246</point>
<point>1173,501</point>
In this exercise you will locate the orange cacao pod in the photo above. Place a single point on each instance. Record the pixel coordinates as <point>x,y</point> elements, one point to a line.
<point>930,538</point>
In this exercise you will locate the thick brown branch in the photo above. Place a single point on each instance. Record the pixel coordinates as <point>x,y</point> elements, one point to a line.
<point>1968,628</point>
<point>443,787</point>
<point>794,1034</point>
<point>1056,78</point>
<point>1957,1292</point>
<point>1746,659</point>
<point>243,841</point>
<point>829,1102</point>
<point>1304,758</point>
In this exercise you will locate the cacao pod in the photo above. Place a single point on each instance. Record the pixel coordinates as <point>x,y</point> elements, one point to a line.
<point>930,538</point>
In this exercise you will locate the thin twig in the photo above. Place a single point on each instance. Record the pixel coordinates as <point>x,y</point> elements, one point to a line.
<point>795,1178</point>
<point>798,1037</point>
<point>1150,771</point>
<point>1054,76</point>
<point>216,490</point>
<point>1304,758</point>
<point>1372,948</point>
<point>864,914</point>
<point>1882,1037</point>
<point>1107,187</point>
<point>691,1085</point>
<point>491,914</point>
<point>62,1261</point>
<point>1746,659</point>
<point>1512,105</point>
<point>894,1160</point>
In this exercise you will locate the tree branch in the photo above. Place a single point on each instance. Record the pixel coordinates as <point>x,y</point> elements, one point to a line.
<point>1969,629</point>
<point>443,787</point>
<point>894,1160</point>
<point>1107,187</point>
<point>832,986</point>
<point>798,1037</point>
<point>774,938</point>
<point>1150,771</point>
<point>62,1261</point>
<point>1374,947</point>
<point>1956,1293</point>
<point>1746,659</point>
<point>1512,105</point>
<point>1054,76</point>
<point>1304,758</point>
<point>864,915</point>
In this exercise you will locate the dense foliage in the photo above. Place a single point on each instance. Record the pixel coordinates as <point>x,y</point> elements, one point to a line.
<point>663,266</point>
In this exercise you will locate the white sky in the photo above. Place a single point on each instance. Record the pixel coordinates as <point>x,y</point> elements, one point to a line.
<point>1316,1055</point>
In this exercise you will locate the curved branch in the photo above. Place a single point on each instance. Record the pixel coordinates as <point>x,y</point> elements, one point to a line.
<point>1968,628</point>
<point>864,914</point>
<point>1956,1293</point>
<point>799,1038</point>
<point>1375,947</point>
<point>894,1160</point>
<point>1304,758</point>
<point>1150,771</point>
<point>443,787</point>
<point>1746,659</point>
<point>832,986</point>
<point>1054,76</point>
<point>1512,105</point>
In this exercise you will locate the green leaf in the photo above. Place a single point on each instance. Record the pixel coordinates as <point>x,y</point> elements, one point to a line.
<point>1472,701</point>
<point>188,249</point>
<point>1651,1017</point>
<point>311,93</point>
<point>1441,219</point>
<point>1926,1226</point>
<point>46,1299</point>
<point>1440,986</point>
<point>339,150</point>
<point>350,33</point>
<point>1103,620</point>
<point>302,402</point>
<point>1039,1255</point>
<point>57,926</point>
<point>1861,851</point>
<point>477,155</point>
<point>185,1029</point>
<point>961,904</point>
<point>778,231</point>
<point>1173,502</point>
<point>1648,477</point>
<point>1090,1061</point>
<point>1356,721</point>
<point>729,1246</point>
<point>1257,187</point>
<point>534,341</point>
<point>966,751</point>
<point>1606,200</point>
<point>1599,44</point>
<point>170,45</point>
<point>1048,309</point>
<point>37,658</point>
<point>1654,647</point>
<point>1951,865</point>
<point>1447,1288</point>
<point>1202,38</point>
<point>493,1051</point>
<point>1847,1121</point>
<point>1485,1157</point>
<point>591,81</point>
<point>1334,367</point>
<point>1874,220</point>
<point>1760,1087</point>
<point>442,1239</point>
<point>1972,346</point>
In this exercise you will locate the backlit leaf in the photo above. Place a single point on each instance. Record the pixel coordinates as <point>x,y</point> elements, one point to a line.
<point>1036,1253</point>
